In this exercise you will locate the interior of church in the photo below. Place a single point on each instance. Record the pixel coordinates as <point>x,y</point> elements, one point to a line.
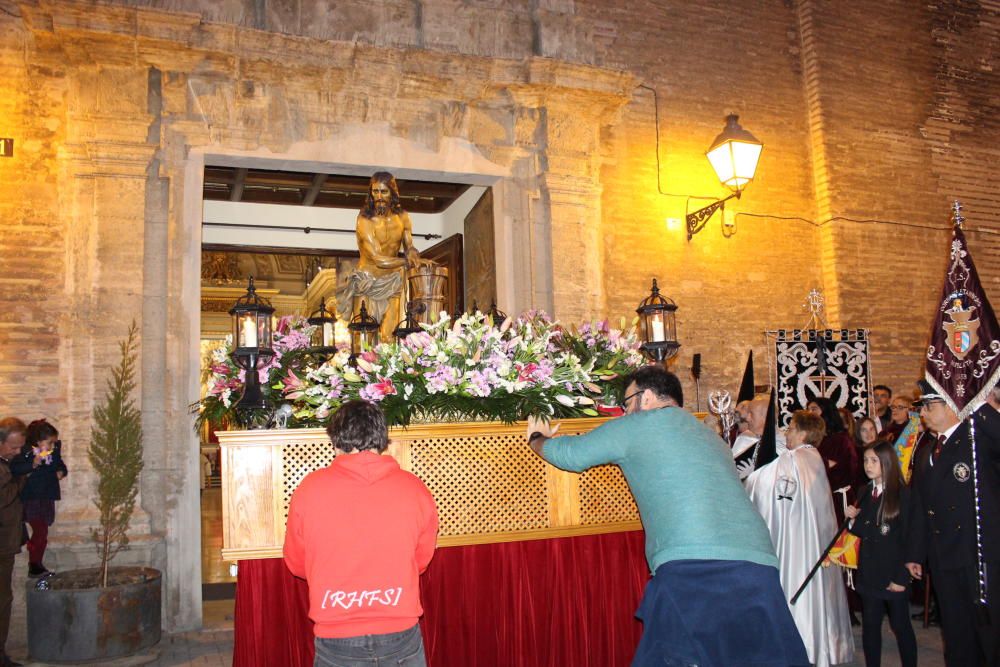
<point>689,183</point>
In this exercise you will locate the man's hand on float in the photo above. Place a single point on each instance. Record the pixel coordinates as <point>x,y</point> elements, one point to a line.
<point>538,432</point>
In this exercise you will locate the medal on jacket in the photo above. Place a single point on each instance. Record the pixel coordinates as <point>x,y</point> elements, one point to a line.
<point>884,529</point>
<point>961,472</point>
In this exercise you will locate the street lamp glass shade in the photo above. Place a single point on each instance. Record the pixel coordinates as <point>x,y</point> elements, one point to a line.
<point>364,331</point>
<point>325,323</point>
<point>734,155</point>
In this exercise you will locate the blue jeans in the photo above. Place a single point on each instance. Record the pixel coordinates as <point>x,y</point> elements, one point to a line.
<point>405,649</point>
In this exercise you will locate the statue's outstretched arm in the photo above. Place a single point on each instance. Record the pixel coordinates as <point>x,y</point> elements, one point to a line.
<point>413,258</point>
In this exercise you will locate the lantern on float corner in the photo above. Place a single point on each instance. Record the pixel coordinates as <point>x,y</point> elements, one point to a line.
<point>658,326</point>
<point>497,316</point>
<point>409,324</point>
<point>364,331</point>
<point>323,339</point>
<point>251,343</point>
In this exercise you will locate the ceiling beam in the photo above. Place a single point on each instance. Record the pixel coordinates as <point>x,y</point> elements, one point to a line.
<point>317,184</point>
<point>236,194</point>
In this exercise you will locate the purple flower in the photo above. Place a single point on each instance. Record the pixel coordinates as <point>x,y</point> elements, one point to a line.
<point>441,379</point>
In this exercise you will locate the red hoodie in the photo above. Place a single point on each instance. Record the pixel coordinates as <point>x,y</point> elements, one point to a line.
<point>360,532</point>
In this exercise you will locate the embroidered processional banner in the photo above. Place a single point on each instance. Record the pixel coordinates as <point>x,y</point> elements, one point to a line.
<point>963,358</point>
<point>821,362</point>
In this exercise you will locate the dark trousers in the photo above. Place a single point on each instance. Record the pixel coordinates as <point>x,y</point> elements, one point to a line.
<point>38,541</point>
<point>873,610</point>
<point>6,597</point>
<point>969,641</point>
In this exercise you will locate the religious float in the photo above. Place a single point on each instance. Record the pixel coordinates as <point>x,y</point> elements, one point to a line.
<point>528,555</point>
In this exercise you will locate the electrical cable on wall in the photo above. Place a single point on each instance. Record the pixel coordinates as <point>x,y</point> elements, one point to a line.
<point>876,221</point>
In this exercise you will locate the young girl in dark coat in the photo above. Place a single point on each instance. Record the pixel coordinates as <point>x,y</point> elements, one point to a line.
<point>881,520</point>
<point>40,492</point>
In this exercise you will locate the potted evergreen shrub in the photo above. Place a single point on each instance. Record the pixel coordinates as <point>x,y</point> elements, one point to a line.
<point>103,612</point>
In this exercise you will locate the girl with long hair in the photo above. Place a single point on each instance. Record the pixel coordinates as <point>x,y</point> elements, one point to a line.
<point>41,490</point>
<point>881,520</point>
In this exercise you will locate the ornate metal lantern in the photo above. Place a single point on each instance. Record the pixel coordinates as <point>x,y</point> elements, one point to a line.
<point>364,331</point>
<point>323,340</point>
<point>409,325</point>
<point>251,343</point>
<point>497,316</point>
<point>658,326</point>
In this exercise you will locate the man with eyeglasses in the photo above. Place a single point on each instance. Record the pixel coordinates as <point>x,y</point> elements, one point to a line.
<point>715,597</point>
<point>899,409</point>
<point>943,531</point>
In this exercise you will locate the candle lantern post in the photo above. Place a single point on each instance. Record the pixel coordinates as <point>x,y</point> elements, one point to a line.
<point>251,344</point>
<point>658,326</point>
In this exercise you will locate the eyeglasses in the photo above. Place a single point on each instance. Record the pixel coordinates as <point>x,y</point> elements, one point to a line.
<point>624,404</point>
<point>899,407</point>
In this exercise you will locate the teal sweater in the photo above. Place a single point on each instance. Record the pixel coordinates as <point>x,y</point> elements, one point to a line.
<point>682,476</point>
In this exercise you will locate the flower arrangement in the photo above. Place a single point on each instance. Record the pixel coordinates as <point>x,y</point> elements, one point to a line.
<point>224,380</point>
<point>461,369</point>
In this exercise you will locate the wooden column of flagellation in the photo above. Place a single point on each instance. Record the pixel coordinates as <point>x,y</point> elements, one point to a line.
<point>488,485</point>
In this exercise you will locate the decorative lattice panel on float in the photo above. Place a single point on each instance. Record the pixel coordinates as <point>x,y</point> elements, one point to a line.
<point>298,459</point>
<point>605,497</point>
<point>490,483</point>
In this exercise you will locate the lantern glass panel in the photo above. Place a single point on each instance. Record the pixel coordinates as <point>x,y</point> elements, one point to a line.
<point>362,341</point>
<point>722,161</point>
<point>657,327</point>
<point>264,329</point>
<point>247,332</point>
<point>327,334</point>
<point>670,325</point>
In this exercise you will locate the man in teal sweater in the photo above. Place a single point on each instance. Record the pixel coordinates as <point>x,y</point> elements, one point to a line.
<point>715,597</point>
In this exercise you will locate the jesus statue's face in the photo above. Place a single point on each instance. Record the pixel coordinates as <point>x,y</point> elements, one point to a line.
<point>381,196</point>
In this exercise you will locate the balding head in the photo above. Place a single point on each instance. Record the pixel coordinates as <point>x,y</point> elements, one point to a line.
<point>742,416</point>
<point>758,414</point>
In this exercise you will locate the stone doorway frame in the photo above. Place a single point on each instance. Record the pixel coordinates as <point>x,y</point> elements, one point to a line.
<point>456,161</point>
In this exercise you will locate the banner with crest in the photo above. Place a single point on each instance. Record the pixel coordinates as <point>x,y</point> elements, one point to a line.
<point>821,362</point>
<point>963,358</point>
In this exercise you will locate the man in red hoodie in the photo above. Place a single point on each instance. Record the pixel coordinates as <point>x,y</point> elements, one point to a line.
<point>360,532</point>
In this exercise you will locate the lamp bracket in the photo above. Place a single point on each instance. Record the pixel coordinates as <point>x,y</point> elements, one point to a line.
<point>696,221</point>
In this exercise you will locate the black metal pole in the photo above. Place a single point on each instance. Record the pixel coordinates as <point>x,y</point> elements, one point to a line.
<point>819,563</point>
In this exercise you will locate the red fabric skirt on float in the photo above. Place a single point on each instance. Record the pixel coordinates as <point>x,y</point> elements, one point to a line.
<point>538,603</point>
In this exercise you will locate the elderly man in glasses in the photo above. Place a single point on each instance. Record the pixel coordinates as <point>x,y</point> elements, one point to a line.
<point>715,597</point>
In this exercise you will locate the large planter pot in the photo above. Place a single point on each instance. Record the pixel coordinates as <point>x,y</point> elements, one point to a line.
<point>72,621</point>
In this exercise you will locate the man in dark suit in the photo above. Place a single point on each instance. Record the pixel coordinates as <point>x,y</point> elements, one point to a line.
<point>11,440</point>
<point>943,532</point>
